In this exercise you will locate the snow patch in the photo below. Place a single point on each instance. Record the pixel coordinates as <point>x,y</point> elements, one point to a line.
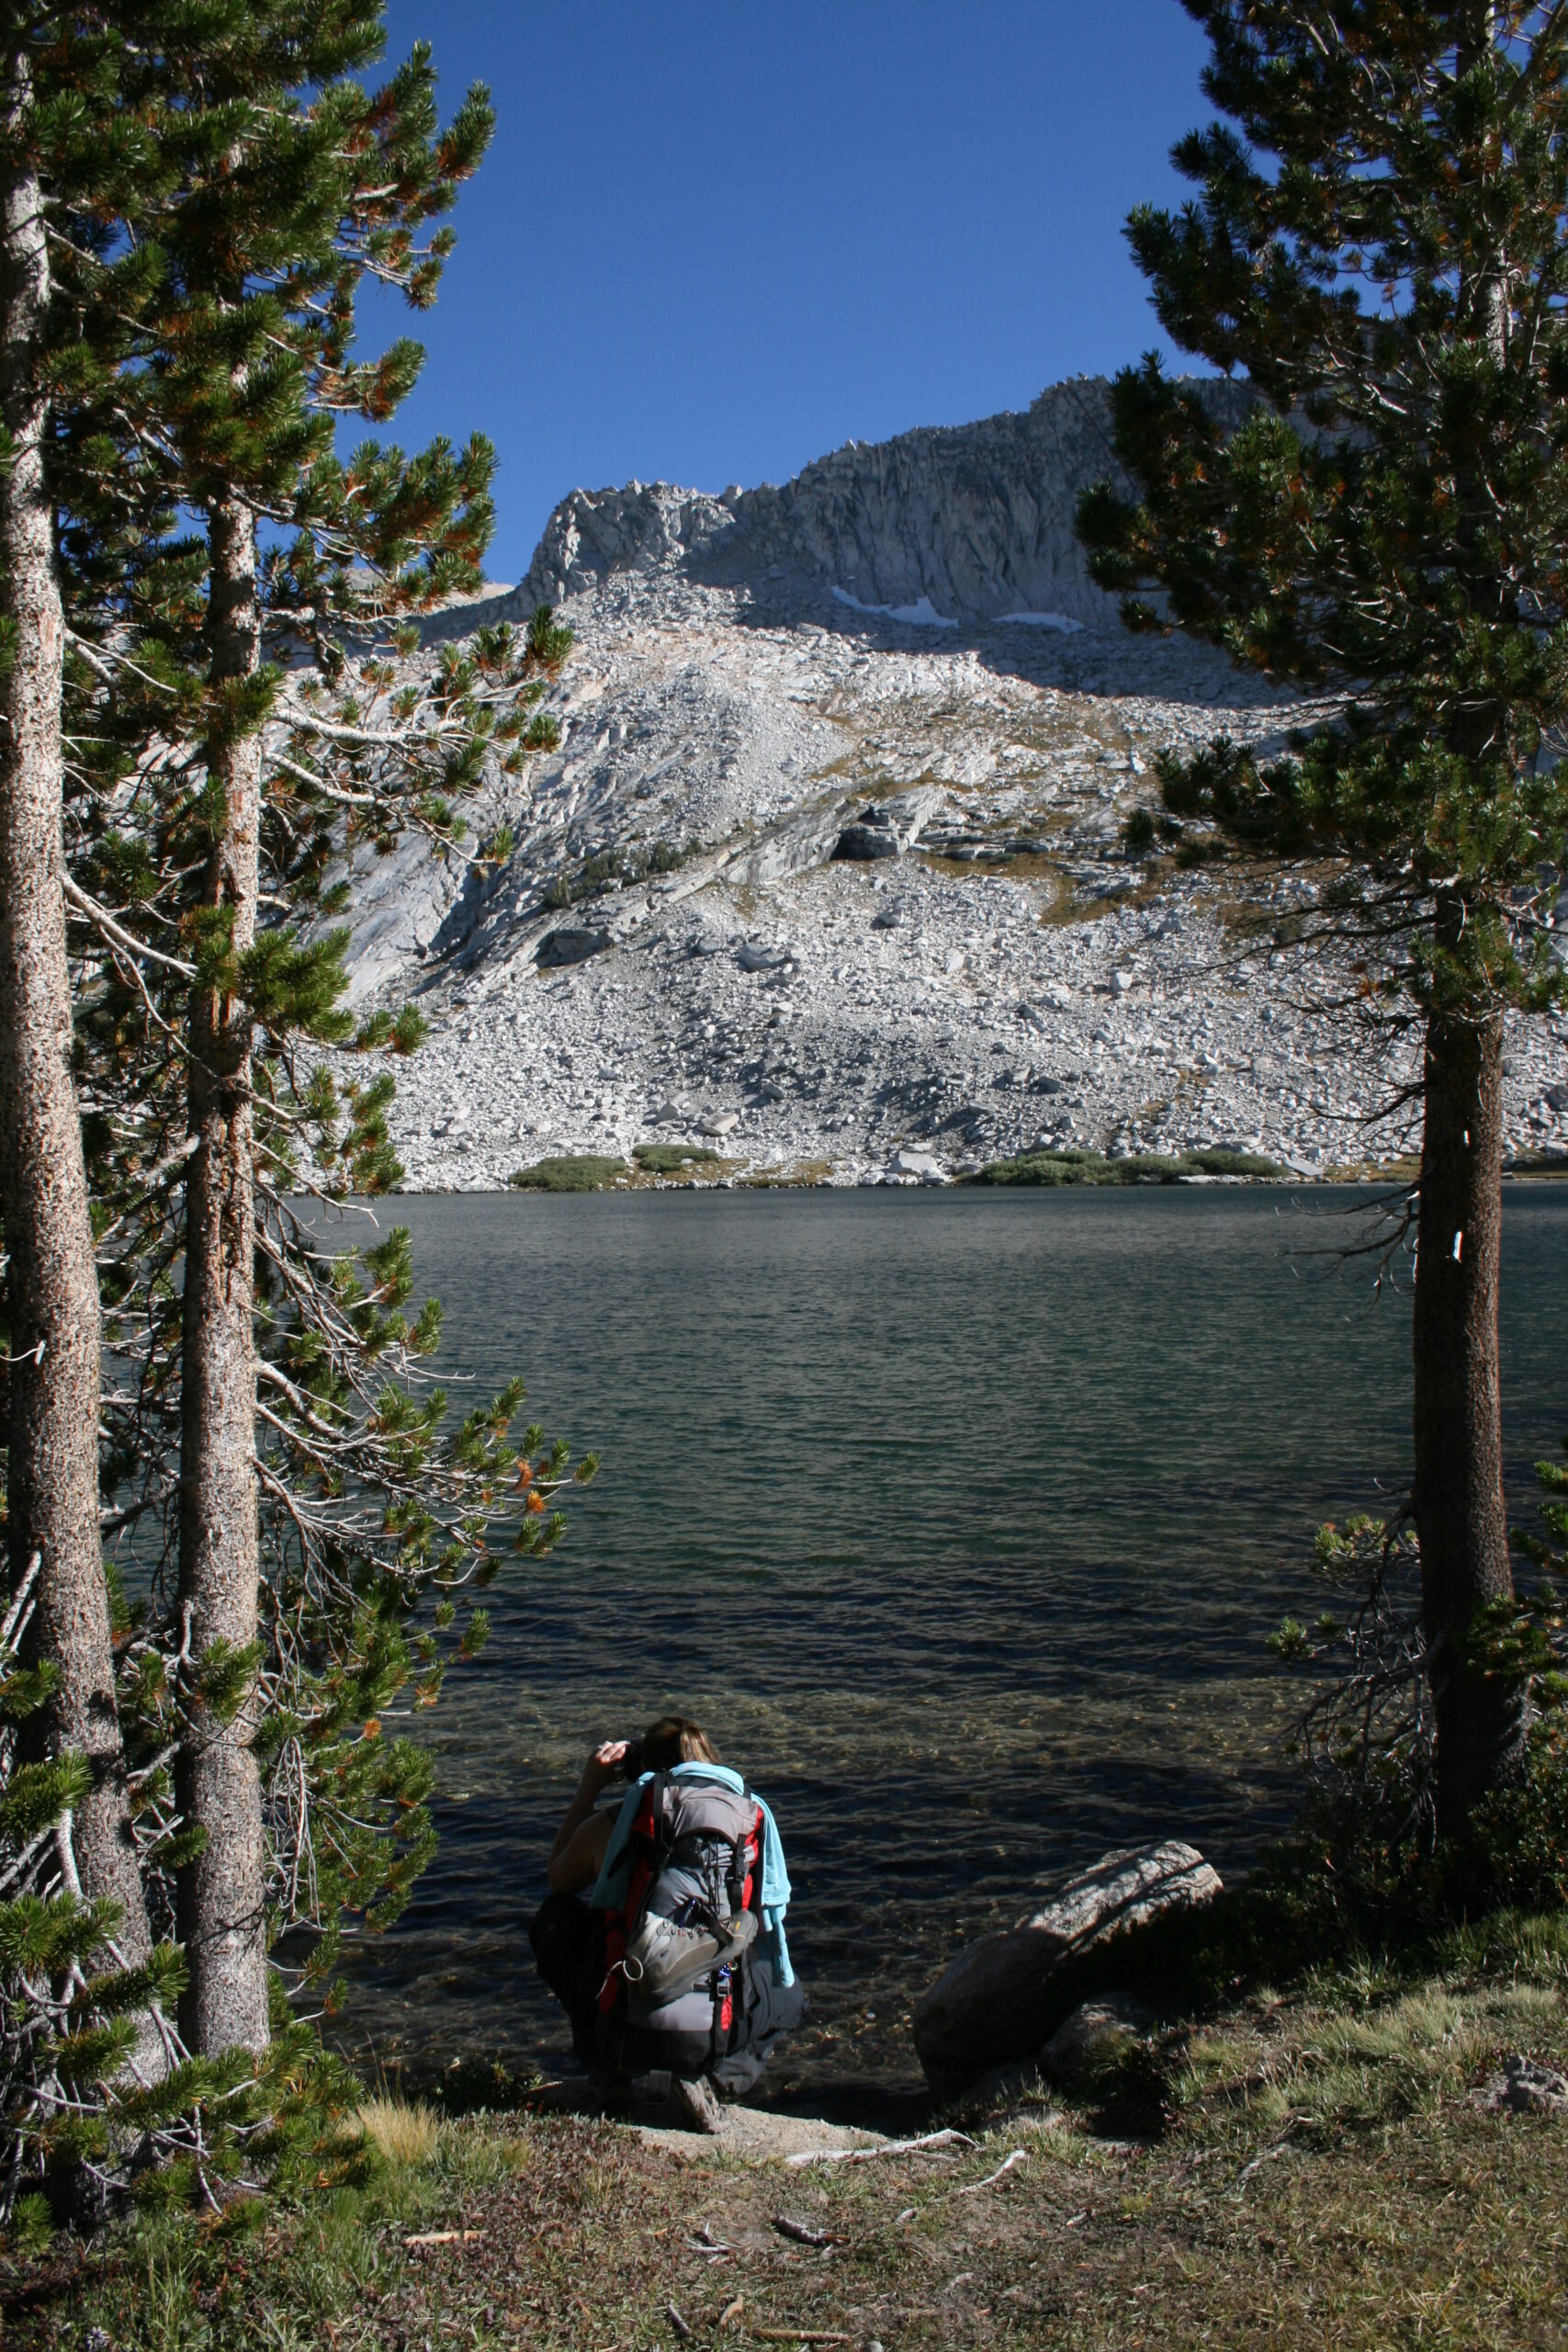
<point>923,614</point>
<point>1040,620</point>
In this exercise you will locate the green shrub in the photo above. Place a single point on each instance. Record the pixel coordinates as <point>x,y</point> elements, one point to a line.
<point>1366,1736</point>
<point>570,1172</point>
<point>1518,1838</point>
<point>1042,1168</point>
<point>1074,1167</point>
<point>613,867</point>
<point>1519,1835</point>
<point>594,874</point>
<point>669,1159</point>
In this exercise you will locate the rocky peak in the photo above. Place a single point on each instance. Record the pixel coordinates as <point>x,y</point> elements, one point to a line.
<point>973,523</point>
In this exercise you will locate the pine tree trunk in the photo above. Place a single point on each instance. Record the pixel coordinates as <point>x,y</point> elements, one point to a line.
<point>1460,1516</point>
<point>51,1279</point>
<point>221,1892</point>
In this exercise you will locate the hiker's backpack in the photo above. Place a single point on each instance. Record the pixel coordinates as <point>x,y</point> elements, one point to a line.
<point>678,1950</point>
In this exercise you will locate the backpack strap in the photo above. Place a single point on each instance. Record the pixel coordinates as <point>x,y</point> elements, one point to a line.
<point>744,1885</point>
<point>744,1889</point>
<point>648,1839</point>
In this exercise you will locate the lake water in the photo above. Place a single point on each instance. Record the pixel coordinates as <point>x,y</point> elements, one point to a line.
<point>959,1517</point>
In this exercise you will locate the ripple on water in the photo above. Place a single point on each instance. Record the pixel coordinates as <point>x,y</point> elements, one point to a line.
<point>959,1518</point>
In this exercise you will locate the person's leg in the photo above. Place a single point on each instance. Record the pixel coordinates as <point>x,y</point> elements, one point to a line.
<point>562,1932</point>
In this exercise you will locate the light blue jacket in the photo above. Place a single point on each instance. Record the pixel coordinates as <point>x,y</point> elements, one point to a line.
<point>610,1886</point>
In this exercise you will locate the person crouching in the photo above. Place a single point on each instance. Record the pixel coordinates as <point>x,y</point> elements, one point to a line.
<point>662,1935</point>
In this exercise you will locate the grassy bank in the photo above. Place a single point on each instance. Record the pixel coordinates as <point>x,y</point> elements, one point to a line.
<point>597,1172</point>
<point>1074,1167</point>
<point>1326,2179</point>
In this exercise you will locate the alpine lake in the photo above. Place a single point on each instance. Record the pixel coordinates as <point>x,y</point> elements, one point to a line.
<point>960,1519</point>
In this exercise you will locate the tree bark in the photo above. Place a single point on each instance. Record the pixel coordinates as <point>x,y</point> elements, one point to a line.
<point>1461,1520</point>
<point>51,1278</point>
<point>1460,1517</point>
<point>222,1897</point>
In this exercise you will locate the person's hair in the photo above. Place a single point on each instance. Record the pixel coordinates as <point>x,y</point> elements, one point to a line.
<point>675,1739</point>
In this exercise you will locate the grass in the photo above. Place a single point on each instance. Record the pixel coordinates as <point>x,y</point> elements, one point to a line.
<point>403,2132</point>
<point>1324,2179</point>
<point>801,1175</point>
<point>1403,1169</point>
<point>1070,1167</point>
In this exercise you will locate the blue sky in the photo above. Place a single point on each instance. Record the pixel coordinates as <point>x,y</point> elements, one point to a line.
<point>711,243</point>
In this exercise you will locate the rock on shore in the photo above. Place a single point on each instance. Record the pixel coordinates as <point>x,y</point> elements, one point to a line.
<point>831,851</point>
<point>994,2002</point>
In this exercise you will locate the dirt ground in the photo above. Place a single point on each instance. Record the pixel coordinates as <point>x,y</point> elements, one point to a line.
<point>1327,2176</point>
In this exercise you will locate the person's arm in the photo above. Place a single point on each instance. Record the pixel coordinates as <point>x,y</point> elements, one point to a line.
<point>583,1836</point>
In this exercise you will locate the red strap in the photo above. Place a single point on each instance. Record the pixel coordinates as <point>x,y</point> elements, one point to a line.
<point>619,1919</point>
<point>753,1854</point>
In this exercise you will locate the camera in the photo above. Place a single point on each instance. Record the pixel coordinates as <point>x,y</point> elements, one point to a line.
<point>630,1766</point>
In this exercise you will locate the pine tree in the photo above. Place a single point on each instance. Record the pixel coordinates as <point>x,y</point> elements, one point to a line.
<point>129,121</point>
<point>285,182</point>
<point>63,151</point>
<point>1378,242</point>
<point>290,178</point>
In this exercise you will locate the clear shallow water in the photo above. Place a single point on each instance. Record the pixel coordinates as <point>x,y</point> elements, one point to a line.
<point>960,1519</point>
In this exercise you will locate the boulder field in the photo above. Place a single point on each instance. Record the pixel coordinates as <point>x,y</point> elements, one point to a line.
<point>833,850</point>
